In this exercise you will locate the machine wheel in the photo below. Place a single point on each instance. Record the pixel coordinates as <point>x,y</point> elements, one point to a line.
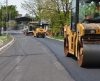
<point>43,36</point>
<point>80,57</point>
<point>37,36</point>
<point>66,49</point>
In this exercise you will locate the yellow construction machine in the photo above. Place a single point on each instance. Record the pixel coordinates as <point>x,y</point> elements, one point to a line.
<point>30,27</point>
<point>82,37</point>
<point>39,32</point>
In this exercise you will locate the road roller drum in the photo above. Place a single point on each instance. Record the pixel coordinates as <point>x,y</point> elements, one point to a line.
<point>91,54</point>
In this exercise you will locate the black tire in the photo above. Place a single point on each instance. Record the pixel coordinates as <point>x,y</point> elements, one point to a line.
<point>80,58</point>
<point>37,36</point>
<point>43,36</point>
<point>66,47</point>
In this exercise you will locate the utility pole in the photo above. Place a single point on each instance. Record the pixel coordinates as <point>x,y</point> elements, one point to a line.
<point>2,21</point>
<point>6,13</point>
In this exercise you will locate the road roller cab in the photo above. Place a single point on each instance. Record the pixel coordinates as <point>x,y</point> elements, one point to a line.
<point>82,35</point>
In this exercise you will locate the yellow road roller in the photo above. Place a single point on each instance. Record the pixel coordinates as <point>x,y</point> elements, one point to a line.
<point>39,32</point>
<point>82,35</point>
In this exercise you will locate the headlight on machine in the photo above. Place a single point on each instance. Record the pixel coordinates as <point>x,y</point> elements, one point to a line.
<point>90,31</point>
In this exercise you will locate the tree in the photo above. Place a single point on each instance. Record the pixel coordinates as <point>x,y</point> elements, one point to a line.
<point>59,10</point>
<point>56,12</point>
<point>87,10</point>
<point>10,14</point>
<point>31,7</point>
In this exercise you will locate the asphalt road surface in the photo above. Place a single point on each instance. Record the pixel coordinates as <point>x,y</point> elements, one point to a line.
<point>70,64</point>
<point>29,60</point>
<point>41,59</point>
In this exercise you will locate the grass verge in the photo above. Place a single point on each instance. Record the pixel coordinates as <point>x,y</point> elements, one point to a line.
<point>59,37</point>
<point>4,39</point>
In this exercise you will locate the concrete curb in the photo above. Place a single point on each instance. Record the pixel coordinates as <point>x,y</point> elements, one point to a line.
<point>55,39</point>
<point>8,44</point>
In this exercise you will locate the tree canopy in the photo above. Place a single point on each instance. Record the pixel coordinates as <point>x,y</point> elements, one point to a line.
<point>7,13</point>
<point>56,12</point>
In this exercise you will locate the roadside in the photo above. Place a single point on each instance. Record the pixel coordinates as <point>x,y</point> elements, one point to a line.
<point>59,38</point>
<point>28,59</point>
<point>5,41</point>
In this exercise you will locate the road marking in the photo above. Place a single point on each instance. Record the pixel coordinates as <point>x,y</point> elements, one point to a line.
<point>18,59</point>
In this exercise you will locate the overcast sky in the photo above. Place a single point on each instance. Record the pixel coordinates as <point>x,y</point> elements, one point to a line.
<point>18,5</point>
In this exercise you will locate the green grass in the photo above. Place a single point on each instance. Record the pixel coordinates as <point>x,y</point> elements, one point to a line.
<point>5,38</point>
<point>59,37</point>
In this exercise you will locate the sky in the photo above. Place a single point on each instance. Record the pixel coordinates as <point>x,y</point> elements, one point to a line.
<point>18,5</point>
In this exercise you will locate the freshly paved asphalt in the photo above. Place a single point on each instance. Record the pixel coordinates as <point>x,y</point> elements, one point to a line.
<point>41,59</point>
<point>70,64</point>
<point>28,59</point>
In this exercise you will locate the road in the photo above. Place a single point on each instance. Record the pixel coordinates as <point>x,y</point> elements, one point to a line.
<point>70,64</point>
<point>29,60</point>
<point>41,59</point>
